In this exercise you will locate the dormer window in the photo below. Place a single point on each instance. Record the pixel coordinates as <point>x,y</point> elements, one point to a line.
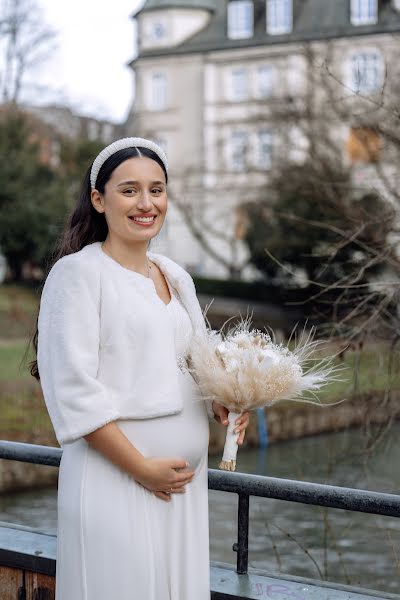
<point>364,12</point>
<point>279,16</point>
<point>240,19</point>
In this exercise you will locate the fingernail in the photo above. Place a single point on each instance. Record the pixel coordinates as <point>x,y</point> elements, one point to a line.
<point>225,421</point>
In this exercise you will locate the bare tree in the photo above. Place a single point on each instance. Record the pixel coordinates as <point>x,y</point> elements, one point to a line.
<point>26,42</point>
<point>356,219</point>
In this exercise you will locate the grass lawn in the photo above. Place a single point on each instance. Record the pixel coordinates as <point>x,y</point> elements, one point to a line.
<point>22,408</point>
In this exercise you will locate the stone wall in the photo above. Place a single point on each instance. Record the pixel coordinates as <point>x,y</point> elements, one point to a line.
<point>296,420</point>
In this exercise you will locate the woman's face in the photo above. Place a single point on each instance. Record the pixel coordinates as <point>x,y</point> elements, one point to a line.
<point>134,200</point>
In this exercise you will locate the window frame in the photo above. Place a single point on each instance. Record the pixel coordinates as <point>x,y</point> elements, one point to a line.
<point>259,162</point>
<point>276,9</point>
<point>156,37</point>
<point>235,30</point>
<point>154,103</point>
<point>233,166</point>
<point>234,96</point>
<point>272,70</point>
<point>376,65</point>
<point>363,12</point>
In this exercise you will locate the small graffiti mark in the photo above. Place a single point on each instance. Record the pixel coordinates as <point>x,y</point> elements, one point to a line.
<point>276,591</point>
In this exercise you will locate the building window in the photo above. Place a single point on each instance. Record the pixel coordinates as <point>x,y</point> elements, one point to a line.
<point>158,92</point>
<point>363,145</point>
<point>266,79</point>
<point>238,143</point>
<point>279,16</point>
<point>366,72</point>
<point>240,19</point>
<point>239,84</point>
<point>158,31</point>
<point>364,12</point>
<point>265,149</point>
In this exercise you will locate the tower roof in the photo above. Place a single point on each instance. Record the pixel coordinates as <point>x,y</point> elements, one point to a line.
<point>157,4</point>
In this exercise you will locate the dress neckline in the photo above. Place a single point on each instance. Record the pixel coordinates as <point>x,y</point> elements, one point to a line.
<point>135,274</point>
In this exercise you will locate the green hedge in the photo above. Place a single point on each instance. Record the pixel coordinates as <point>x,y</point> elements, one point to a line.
<point>257,291</point>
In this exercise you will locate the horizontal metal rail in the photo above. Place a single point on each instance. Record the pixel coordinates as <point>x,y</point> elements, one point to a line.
<point>246,485</point>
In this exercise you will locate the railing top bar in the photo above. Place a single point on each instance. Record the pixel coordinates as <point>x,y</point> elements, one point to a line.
<point>242,483</point>
<point>31,453</point>
<point>318,494</point>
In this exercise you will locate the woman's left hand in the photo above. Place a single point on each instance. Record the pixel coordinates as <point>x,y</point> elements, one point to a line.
<point>221,416</point>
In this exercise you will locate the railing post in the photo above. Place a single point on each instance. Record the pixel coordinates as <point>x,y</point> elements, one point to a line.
<point>242,545</point>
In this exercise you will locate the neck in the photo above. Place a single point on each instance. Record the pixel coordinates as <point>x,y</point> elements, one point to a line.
<point>130,255</point>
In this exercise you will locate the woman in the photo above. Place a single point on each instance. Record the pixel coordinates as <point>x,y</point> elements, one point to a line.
<point>114,325</point>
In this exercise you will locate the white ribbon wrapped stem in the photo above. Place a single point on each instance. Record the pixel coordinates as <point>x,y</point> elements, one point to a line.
<point>228,462</point>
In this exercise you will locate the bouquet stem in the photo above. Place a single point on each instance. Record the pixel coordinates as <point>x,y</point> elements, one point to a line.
<point>228,462</point>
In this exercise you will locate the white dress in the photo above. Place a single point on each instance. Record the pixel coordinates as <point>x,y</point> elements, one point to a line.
<point>116,539</point>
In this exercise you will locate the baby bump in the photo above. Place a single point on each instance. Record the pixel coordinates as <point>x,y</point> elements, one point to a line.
<point>183,435</point>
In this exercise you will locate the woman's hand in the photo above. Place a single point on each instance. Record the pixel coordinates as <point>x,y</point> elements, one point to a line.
<point>221,416</point>
<point>165,476</point>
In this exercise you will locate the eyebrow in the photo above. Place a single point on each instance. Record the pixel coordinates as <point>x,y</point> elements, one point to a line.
<point>135,182</point>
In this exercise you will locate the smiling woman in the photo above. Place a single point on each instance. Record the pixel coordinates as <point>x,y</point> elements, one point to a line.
<point>115,326</point>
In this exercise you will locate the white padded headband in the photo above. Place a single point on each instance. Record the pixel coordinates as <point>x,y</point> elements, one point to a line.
<point>129,142</point>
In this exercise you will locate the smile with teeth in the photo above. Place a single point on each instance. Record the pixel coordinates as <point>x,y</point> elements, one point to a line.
<point>143,219</point>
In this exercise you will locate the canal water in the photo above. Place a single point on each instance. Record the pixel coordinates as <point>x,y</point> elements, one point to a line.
<point>291,538</point>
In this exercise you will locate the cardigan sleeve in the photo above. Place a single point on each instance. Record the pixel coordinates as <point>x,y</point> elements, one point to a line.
<point>68,350</point>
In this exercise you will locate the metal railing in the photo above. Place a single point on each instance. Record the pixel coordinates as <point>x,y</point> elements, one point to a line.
<point>245,486</point>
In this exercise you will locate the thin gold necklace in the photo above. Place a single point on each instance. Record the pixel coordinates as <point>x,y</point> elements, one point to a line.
<point>148,263</point>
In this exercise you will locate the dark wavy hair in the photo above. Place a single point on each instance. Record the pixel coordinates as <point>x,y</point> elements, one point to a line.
<point>85,225</point>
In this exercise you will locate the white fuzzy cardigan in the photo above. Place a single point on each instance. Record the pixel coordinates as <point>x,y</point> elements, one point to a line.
<point>105,349</point>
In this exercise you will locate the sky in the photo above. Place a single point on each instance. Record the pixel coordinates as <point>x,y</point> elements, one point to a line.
<point>88,69</point>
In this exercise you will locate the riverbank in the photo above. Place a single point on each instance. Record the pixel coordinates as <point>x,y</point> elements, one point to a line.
<point>293,421</point>
<point>284,422</point>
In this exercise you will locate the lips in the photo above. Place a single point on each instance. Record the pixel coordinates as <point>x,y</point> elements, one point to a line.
<point>144,223</point>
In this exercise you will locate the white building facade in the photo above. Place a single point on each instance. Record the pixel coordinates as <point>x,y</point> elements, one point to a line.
<point>216,79</point>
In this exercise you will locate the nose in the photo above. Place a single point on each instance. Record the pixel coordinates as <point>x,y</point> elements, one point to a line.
<point>145,200</point>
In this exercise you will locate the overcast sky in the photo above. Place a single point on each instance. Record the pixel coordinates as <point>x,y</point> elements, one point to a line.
<point>95,41</point>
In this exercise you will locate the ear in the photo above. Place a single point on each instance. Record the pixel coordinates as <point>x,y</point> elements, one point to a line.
<point>97,200</point>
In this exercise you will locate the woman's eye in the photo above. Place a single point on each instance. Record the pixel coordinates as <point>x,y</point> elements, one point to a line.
<point>129,191</point>
<point>156,191</point>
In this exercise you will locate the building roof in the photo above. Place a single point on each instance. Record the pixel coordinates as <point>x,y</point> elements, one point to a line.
<point>157,4</point>
<point>312,20</point>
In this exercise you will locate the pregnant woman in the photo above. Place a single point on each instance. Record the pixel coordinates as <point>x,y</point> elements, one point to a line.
<point>115,323</point>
